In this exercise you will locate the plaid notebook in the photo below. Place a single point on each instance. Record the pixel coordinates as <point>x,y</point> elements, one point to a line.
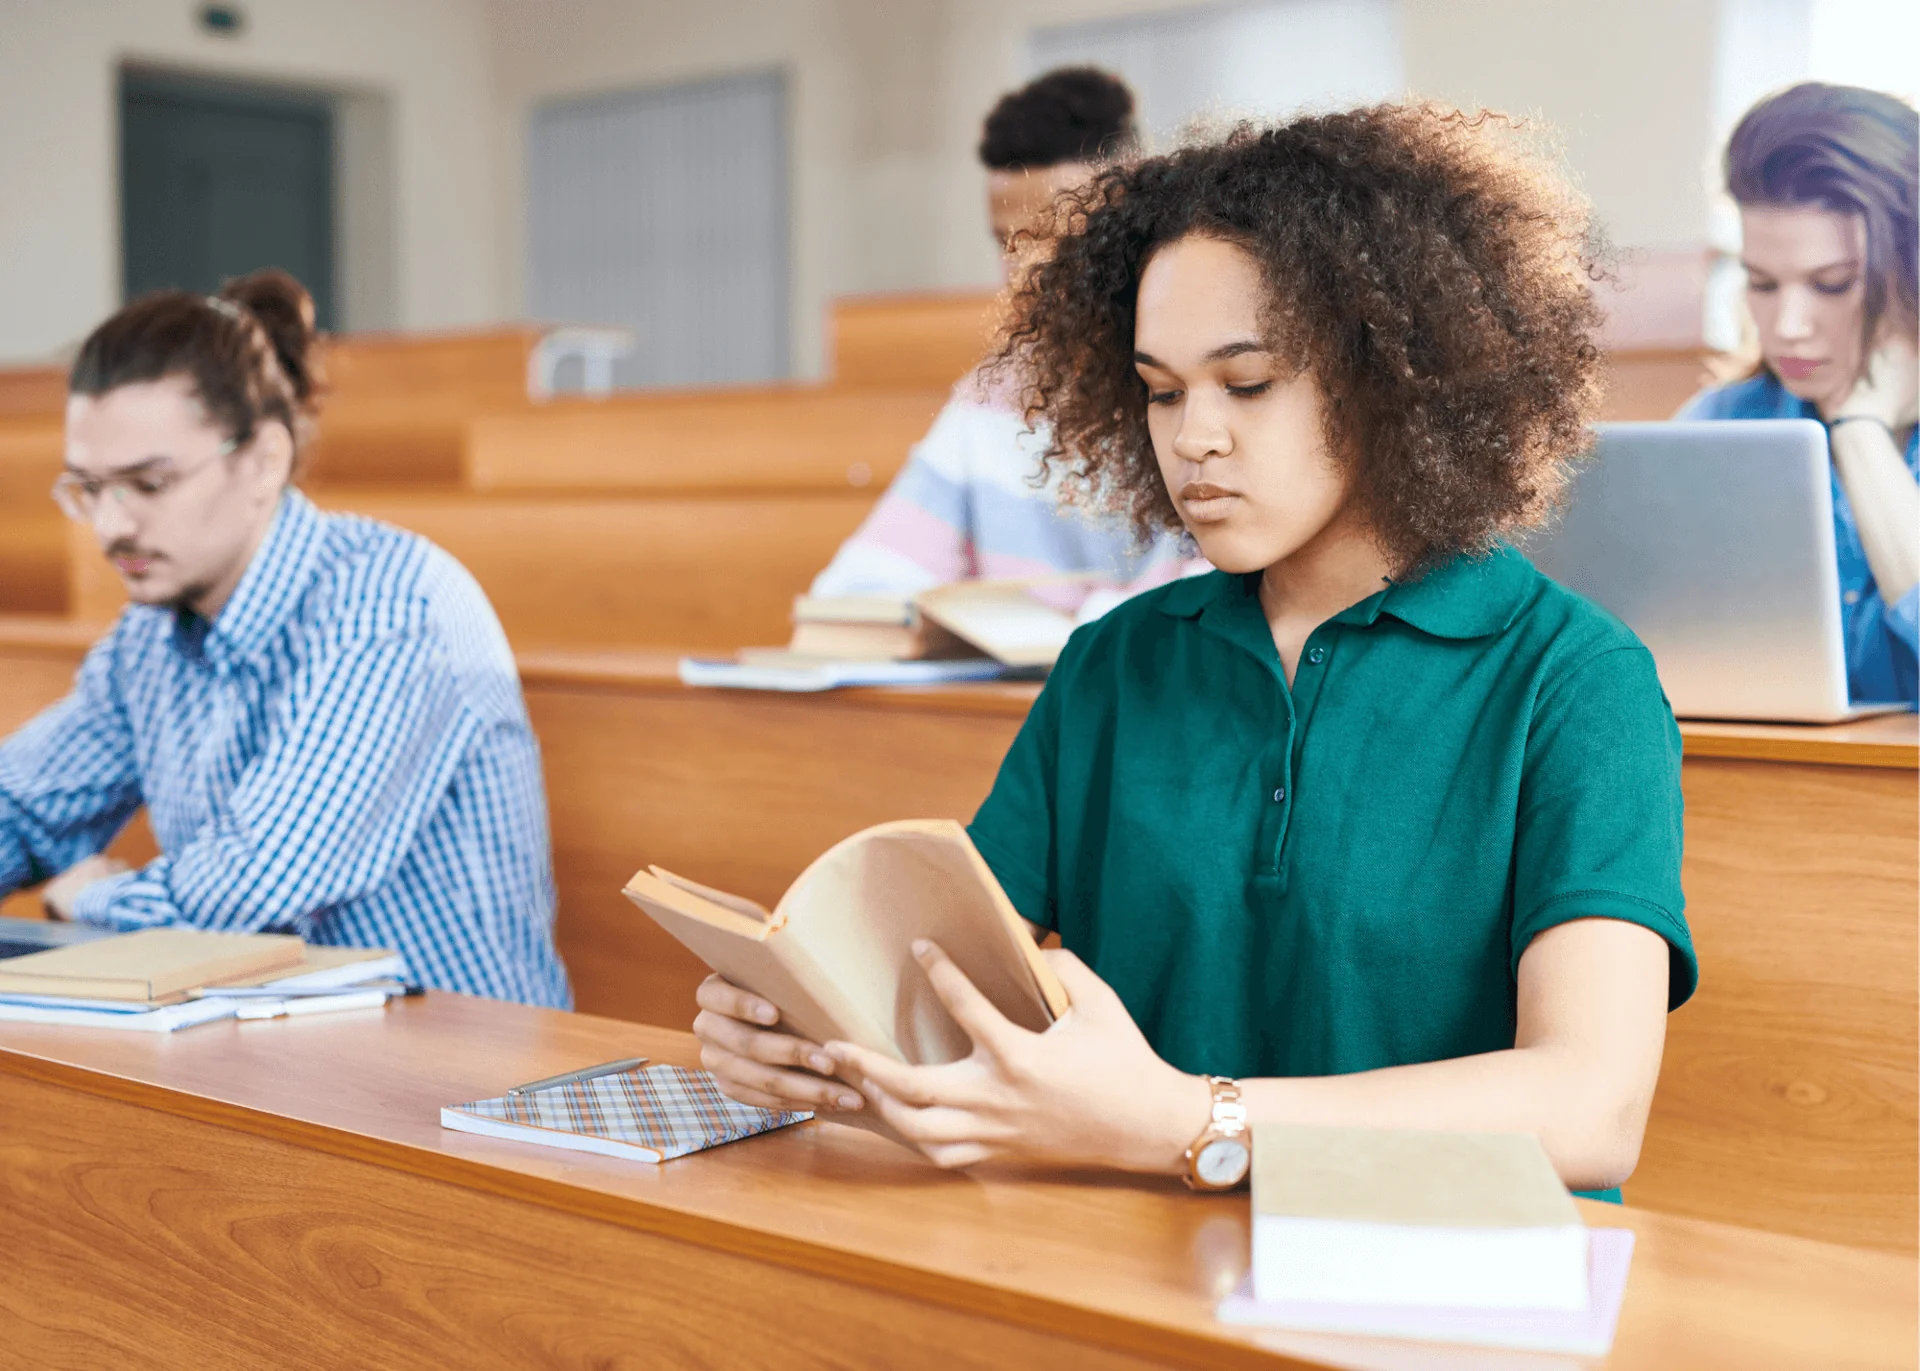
<point>648,1115</point>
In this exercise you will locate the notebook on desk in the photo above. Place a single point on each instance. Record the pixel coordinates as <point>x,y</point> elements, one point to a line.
<point>651,1115</point>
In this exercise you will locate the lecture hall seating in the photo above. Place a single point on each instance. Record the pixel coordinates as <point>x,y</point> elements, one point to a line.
<point>1788,1093</point>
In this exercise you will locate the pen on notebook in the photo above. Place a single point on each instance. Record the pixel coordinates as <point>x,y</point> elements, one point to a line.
<point>312,1004</point>
<point>585,1073</point>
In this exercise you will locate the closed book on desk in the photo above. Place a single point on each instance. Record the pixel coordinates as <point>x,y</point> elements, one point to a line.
<point>152,964</point>
<point>1405,1218</point>
<point>835,954</point>
<point>651,1115</point>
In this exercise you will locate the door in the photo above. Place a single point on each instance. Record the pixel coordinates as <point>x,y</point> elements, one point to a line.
<point>665,211</point>
<point>219,179</point>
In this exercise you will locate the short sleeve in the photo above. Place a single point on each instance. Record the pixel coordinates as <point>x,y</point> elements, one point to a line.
<point>1015,828</point>
<point>1599,828</point>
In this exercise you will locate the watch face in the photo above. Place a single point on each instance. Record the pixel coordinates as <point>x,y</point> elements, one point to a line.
<point>1222,1162</point>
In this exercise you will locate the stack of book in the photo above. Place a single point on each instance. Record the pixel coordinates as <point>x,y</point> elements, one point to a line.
<point>1443,1237</point>
<point>162,979</point>
<point>967,630</point>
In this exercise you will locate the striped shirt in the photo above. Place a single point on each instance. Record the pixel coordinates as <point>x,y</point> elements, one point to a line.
<point>967,505</point>
<point>343,753</point>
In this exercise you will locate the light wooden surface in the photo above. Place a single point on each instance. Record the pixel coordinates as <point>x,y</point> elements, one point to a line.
<point>33,392</point>
<point>219,1197</point>
<point>1787,1096</point>
<point>930,339</point>
<point>1651,383</point>
<point>710,572</point>
<point>1886,740</point>
<point>764,440</point>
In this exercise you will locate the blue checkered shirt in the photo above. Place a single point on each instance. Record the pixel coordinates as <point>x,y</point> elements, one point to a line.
<point>343,752</point>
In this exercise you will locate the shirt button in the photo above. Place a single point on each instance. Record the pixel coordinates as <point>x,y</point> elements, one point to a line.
<point>1279,794</point>
<point>1852,597</point>
<point>1317,655</point>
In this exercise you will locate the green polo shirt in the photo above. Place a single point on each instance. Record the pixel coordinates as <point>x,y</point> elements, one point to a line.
<point>1342,875</point>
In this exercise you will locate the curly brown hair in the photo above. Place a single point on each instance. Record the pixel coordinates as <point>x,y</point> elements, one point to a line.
<point>1427,267</point>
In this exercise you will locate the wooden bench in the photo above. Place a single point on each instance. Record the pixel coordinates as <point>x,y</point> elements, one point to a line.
<point>398,404</point>
<point>33,576</point>
<point>711,571</point>
<point>911,339</point>
<point>793,438</point>
<point>1787,1099</point>
<point>33,392</point>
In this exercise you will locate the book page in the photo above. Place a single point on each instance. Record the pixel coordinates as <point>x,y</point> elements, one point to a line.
<point>858,910</point>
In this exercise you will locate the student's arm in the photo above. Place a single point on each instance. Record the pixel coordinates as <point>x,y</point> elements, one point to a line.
<point>1880,488</point>
<point>918,534</point>
<point>1092,1092</point>
<point>365,744</point>
<point>68,780</point>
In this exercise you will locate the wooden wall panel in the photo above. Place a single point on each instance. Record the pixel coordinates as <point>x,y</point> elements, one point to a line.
<point>734,789</point>
<point>1788,1093</point>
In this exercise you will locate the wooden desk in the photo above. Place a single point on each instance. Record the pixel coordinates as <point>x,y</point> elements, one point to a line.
<point>222,1197</point>
<point>1787,1099</point>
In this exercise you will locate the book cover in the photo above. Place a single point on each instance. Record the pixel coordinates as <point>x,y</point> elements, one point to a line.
<point>1413,1217</point>
<point>835,954</point>
<point>652,1114</point>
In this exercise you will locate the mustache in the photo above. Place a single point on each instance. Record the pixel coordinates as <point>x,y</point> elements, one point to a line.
<point>124,547</point>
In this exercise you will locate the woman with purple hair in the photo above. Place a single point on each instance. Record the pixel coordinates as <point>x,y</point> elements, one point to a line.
<point>1825,178</point>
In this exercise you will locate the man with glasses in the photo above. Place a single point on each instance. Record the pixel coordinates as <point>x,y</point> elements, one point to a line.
<point>320,714</point>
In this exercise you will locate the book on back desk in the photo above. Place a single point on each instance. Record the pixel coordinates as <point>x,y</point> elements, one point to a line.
<point>149,966</point>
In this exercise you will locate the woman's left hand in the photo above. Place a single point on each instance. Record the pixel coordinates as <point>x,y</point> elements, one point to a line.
<point>1087,1092</point>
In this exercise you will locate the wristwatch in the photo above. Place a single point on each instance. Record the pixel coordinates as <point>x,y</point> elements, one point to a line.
<point>1221,1156</point>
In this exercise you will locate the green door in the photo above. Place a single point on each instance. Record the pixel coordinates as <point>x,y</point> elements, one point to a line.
<point>219,179</point>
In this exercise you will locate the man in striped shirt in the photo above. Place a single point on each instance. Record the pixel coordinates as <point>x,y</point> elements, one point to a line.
<point>320,713</point>
<point>966,504</point>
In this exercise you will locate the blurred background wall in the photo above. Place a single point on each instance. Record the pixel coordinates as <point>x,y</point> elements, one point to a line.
<point>495,159</point>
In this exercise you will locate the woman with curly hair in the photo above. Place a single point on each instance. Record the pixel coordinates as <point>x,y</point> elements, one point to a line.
<point>1827,179</point>
<point>1374,825</point>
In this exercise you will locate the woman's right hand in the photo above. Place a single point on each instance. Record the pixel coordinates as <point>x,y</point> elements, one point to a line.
<point>1887,390</point>
<point>758,1066</point>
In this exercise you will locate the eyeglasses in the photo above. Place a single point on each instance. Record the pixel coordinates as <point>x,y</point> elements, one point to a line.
<point>136,492</point>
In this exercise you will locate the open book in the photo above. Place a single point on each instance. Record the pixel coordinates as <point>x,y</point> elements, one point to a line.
<point>835,954</point>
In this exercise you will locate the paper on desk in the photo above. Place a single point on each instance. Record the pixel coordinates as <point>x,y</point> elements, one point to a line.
<point>1584,1332</point>
<point>828,675</point>
<point>165,1019</point>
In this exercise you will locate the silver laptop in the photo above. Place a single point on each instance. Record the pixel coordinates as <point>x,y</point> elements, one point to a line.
<point>18,937</point>
<point>1714,543</point>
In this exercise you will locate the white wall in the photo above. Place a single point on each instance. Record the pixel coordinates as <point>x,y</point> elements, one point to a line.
<point>887,101</point>
<point>889,94</point>
<point>59,175</point>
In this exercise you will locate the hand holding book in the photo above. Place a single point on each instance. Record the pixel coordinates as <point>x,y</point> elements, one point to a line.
<point>1087,1091</point>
